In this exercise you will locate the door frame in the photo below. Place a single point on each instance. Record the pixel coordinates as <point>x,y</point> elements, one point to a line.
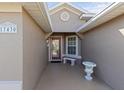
<point>61,48</point>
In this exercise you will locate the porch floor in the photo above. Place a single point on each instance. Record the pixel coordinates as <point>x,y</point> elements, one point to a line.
<point>58,76</point>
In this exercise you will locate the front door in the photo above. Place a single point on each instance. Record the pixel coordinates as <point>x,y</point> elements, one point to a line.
<point>55,49</point>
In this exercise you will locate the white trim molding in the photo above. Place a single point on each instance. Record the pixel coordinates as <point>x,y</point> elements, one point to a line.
<point>68,6</point>
<point>10,85</point>
<point>122,31</point>
<point>110,12</point>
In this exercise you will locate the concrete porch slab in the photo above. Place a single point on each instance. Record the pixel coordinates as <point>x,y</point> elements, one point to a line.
<point>60,76</point>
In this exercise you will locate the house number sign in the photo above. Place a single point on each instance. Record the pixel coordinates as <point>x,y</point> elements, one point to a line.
<point>8,27</point>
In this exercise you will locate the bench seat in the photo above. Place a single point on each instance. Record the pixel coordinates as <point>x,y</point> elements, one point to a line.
<point>71,58</point>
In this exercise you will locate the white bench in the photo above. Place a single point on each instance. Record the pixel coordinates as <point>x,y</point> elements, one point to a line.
<point>71,59</point>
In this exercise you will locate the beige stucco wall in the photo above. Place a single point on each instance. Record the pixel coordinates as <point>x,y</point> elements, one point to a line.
<point>11,47</point>
<point>34,52</point>
<point>10,7</point>
<point>105,46</point>
<point>69,26</point>
<point>23,54</point>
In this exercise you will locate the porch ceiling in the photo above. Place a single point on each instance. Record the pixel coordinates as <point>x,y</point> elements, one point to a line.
<point>38,11</point>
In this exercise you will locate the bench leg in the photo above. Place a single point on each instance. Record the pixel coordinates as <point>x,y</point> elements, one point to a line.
<point>72,62</point>
<point>64,61</point>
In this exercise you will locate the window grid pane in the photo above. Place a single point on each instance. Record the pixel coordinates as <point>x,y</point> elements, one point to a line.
<point>72,50</point>
<point>71,45</point>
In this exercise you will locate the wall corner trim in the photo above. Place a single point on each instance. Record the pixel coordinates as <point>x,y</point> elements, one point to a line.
<point>10,85</point>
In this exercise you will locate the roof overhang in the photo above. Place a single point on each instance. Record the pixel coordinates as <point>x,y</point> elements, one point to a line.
<point>39,12</point>
<point>114,10</point>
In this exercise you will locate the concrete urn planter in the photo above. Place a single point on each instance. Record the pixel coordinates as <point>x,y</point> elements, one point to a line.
<point>88,69</point>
